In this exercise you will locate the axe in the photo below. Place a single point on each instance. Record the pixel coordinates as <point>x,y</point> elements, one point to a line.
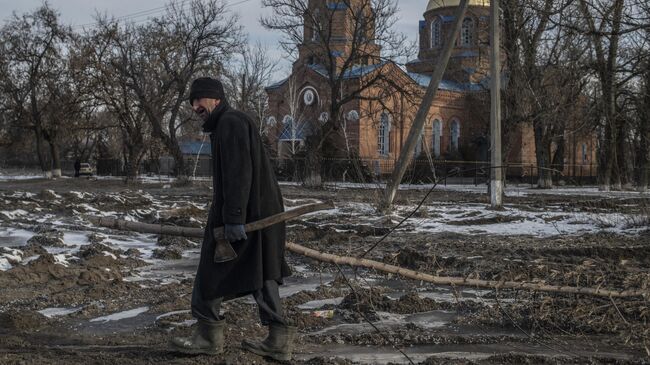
<point>223,249</point>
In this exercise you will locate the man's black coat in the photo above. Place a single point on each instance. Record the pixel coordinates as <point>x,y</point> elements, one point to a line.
<point>244,190</point>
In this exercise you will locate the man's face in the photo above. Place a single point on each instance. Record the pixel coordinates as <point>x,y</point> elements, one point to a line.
<point>204,106</point>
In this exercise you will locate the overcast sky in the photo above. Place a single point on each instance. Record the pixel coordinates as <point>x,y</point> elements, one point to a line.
<point>80,12</point>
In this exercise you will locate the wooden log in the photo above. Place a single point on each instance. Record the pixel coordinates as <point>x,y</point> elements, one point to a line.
<point>371,264</point>
<point>169,230</point>
<point>459,281</point>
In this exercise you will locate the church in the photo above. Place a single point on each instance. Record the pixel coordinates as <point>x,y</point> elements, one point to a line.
<point>457,125</point>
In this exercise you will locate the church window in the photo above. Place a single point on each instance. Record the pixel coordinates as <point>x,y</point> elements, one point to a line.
<point>455,135</point>
<point>383,142</point>
<point>437,137</point>
<point>467,32</point>
<point>585,156</point>
<point>419,145</point>
<point>435,33</point>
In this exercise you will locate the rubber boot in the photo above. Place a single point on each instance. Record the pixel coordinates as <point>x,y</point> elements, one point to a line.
<point>207,339</point>
<point>277,345</point>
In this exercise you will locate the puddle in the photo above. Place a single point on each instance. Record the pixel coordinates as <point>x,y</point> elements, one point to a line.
<point>432,319</point>
<point>388,355</point>
<point>293,285</point>
<point>10,237</point>
<point>317,304</point>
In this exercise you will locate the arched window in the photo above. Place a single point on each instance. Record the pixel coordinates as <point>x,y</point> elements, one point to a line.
<point>467,33</point>
<point>455,135</point>
<point>585,156</point>
<point>419,145</point>
<point>435,33</point>
<point>437,134</point>
<point>383,140</point>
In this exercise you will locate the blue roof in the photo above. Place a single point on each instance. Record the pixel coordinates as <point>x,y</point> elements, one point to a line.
<point>337,6</point>
<point>447,85</point>
<point>195,148</point>
<point>465,54</point>
<point>352,72</point>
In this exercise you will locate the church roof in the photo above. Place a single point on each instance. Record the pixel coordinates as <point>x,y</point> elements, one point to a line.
<point>435,4</point>
<point>353,72</point>
<point>447,85</point>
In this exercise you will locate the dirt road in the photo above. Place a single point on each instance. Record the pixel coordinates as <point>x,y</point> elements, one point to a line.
<point>71,293</point>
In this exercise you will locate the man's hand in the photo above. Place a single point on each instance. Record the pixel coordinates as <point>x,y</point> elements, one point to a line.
<point>234,232</point>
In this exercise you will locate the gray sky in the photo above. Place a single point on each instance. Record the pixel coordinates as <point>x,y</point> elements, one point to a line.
<point>78,12</point>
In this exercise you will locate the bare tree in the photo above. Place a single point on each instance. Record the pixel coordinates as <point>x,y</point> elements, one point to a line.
<point>370,44</point>
<point>245,81</point>
<point>184,43</point>
<point>99,61</point>
<point>545,80</point>
<point>32,47</point>
<point>605,22</point>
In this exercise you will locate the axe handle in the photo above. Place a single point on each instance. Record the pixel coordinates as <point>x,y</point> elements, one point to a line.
<point>278,218</point>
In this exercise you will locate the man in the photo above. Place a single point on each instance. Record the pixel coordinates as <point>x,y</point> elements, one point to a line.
<point>244,190</point>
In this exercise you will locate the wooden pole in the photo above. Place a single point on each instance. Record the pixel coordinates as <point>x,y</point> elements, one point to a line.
<point>406,153</point>
<point>496,181</point>
<point>380,266</point>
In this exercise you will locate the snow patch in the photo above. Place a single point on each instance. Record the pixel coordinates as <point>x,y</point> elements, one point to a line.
<point>121,315</point>
<point>56,312</point>
<point>13,214</point>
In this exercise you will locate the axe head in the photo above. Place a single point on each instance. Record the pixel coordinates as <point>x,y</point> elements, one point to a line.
<point>223,251</point>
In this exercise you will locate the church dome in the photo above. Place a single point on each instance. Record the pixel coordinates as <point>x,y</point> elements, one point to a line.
<point>436,4</point>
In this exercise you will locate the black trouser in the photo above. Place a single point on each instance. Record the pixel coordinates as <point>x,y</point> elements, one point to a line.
<point>267,299</point>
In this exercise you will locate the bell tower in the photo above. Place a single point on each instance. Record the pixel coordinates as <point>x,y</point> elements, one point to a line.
<point>470,56</point>
<point>338,31</point>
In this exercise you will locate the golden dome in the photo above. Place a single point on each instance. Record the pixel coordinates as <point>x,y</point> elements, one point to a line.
<point>435,4</point>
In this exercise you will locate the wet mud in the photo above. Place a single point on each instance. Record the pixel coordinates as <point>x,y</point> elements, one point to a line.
<point>73,293</point>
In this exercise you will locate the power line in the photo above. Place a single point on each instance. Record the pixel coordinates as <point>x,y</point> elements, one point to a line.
<point>149,12</point>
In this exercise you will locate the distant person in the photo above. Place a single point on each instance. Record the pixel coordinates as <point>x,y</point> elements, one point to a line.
<point>244,190</point>
<point>77,167</point>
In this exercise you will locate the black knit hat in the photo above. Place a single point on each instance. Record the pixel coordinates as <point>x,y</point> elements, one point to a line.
<point>206,87</point>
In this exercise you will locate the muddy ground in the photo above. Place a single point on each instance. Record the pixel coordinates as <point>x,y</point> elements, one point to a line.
<point>72,293</point>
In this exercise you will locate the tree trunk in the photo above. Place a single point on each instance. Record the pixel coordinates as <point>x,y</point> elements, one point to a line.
<point>40,151</point>
<point>313,160</point>
<point>180,167</point>
<point>132,162</point>
<point>543,156</point>
<point>558,159</point>
<point>56,159</point>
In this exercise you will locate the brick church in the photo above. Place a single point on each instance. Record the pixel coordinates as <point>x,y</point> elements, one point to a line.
<point>458,121</point>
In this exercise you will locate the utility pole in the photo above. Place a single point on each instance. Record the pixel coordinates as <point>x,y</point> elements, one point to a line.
<point>406,154</point>
<point>496,160</point>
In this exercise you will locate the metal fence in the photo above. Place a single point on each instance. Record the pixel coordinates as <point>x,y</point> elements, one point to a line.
<point>363,170</point>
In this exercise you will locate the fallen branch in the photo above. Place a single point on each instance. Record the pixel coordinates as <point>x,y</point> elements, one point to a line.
<point>446,280</point>
<point>361,262</point>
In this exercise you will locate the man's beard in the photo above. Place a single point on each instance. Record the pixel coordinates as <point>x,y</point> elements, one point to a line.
<point>204,114</point>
